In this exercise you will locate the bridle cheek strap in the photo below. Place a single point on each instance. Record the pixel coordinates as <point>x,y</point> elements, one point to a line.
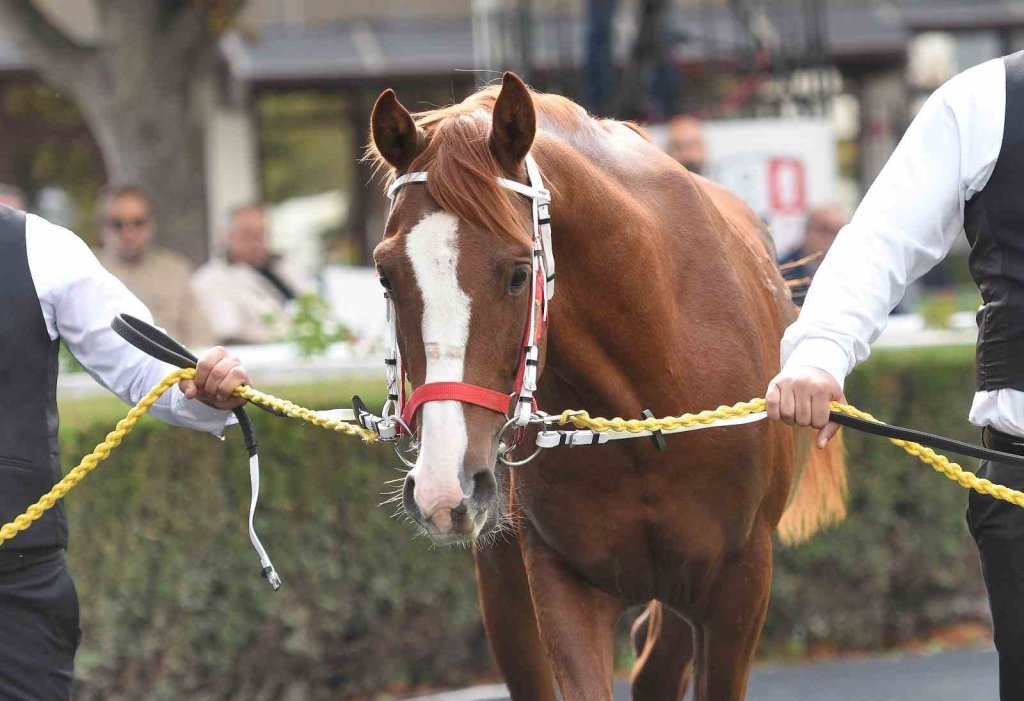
<point>499,402</point>
<point>456,392</point>
<point>521,401</point>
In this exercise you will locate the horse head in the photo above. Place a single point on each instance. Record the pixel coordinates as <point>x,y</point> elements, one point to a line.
<point>457,262</point>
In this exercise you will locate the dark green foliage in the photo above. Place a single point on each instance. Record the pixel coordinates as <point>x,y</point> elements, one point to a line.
<point>173,608</point>
<point>903,562</point>
<point>313,328</point>
<point>172,604</point>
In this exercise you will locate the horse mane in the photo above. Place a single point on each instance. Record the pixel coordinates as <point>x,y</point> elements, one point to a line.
<point>463,171</point>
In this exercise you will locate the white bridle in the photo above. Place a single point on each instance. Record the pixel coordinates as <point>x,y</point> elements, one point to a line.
<point>396,410</point>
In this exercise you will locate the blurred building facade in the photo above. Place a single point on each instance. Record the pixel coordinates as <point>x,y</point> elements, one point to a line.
<point>287,117</point>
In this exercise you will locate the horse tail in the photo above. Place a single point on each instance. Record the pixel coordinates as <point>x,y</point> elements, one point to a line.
<point>819,499</point>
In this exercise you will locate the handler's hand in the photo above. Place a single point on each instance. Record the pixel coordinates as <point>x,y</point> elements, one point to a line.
<point>218,375</point>
<point>801,397</point>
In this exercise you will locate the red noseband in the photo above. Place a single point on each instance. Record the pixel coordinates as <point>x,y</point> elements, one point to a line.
<point>457,392</point>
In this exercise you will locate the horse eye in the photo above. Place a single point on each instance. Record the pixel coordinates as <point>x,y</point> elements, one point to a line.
<point>384,282</point>
<point>520,276</point>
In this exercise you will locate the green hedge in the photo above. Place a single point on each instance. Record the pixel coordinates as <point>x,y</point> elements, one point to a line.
<point>903,563</point>
<point>172,606</point>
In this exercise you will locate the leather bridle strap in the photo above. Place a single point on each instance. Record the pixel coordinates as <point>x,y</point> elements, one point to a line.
<point>458,392</point>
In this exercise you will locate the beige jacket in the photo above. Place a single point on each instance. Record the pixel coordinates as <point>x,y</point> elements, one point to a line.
<point>241,305</point>
<point>162,280</point>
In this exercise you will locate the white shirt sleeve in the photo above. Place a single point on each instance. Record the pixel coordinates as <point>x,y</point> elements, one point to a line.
<point>79,299</point>
<point>906,223</point>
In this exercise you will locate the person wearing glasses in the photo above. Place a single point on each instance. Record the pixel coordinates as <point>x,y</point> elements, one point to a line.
<point>157,276</point>
<point>958,169</point>
<point>54,291</point>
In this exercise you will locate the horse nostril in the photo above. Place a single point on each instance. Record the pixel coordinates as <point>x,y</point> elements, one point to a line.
<point>484,486</point>
<point>461,509</point>
<point>409,501</point>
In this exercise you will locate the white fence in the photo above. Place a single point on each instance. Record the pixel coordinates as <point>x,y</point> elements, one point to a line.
<point>281,363</point>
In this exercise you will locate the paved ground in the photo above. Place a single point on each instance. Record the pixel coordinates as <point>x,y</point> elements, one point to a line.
<point>944,676</point>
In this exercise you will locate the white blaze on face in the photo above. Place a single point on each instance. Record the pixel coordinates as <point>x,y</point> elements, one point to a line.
<point>432,248</point>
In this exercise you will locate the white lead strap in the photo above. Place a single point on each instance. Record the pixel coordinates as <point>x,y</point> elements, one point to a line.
<point>268,567</point>
<point>575,437</point>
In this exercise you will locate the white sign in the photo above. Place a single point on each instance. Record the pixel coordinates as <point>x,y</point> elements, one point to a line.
<point>780,167</point>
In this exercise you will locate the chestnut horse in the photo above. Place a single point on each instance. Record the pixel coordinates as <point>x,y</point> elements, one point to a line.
<point>668,298</point>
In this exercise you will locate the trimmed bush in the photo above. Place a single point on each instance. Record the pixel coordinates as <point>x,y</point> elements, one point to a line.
<point>903,562</point>
<point>172,604</point>
<point>173,607</point>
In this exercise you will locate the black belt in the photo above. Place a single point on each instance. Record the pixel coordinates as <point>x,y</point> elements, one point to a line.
<point>1003,442</point>
<point>17,560</point>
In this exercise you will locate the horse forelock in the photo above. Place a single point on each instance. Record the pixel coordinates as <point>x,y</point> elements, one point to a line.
<point>463,170</point>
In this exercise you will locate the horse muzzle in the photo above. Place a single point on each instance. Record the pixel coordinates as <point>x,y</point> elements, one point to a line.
<point>455,513</point>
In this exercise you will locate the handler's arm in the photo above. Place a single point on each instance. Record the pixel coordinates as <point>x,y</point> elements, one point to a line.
<point>906,224</point>
<point>79,299</point>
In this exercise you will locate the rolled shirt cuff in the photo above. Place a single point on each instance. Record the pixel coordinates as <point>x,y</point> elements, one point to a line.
<point>820,353</point>
<point>193,414</point>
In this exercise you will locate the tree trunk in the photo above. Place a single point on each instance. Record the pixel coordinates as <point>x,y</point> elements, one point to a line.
<point>155,138</point>
<point>138,88</point>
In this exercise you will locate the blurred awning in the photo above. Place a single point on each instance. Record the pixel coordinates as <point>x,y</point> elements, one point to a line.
<point>353,51</point>
<point>942,15</point>
<point>702,32</point>
<point>849,33</point>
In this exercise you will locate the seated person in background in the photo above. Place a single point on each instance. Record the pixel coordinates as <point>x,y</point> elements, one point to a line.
<point>686,143</point>
<point>820,231</point>
<point>12,197</point>
<point>160,278</point>
<point>247,293</point>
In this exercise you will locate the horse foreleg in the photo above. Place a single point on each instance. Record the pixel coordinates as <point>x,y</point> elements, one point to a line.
<point>576,623</point>
<point>510,621</point>
<point>727,637</point>
<point>664,648</point>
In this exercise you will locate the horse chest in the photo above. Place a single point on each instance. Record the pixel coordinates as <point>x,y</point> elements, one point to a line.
<point>633,531</point>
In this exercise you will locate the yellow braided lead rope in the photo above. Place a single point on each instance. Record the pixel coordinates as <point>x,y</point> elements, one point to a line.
<point>294,411</point>
<point>580,419</point>
<point>941,464</point>
<point>102,451</point>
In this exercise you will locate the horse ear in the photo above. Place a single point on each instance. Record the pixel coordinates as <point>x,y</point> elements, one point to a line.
<point>514,122</point>
<point>394,132</point>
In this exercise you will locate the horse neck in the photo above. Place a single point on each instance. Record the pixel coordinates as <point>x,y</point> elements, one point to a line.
<point>628,279</point>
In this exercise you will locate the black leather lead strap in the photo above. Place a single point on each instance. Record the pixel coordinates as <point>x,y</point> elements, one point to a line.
<point>154,342</point>
<point>928,439</point>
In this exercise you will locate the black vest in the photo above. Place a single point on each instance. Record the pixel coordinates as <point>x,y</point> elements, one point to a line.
<point>29,461</point>
<point>994,222</point>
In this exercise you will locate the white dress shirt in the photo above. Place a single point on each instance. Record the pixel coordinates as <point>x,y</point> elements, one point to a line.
<point>906,224</point>
<point>79,299</point>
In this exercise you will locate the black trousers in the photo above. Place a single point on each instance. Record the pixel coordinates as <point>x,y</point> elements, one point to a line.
<point>998,529</point>
<point>39,632</point>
